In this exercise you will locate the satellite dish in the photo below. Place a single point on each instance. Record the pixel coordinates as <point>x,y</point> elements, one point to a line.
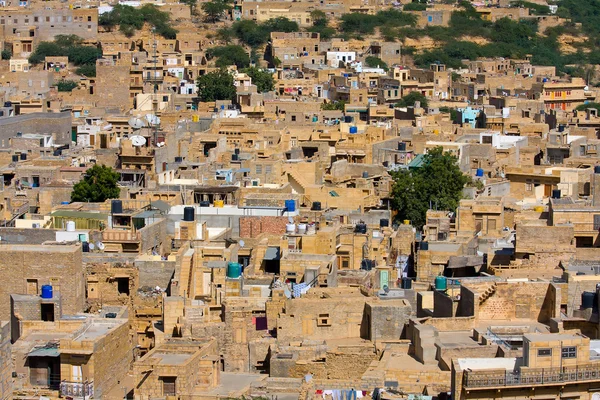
<point>91,246</point>
<point>138,140</point>
<point>136,123</point>
<point>152,119</point>
<point>242,243</point>
<point>100,246</point>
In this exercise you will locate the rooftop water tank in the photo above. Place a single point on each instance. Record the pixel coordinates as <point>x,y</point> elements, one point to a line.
<point>597,169</point>
<point>290,228</point>
<point>46,291</point>
<point>234,270</point>
<point>587,300</point>
<point>353,129</point>
<point>384,222</point>
<point>235,157</point>
<point>301,229</point>
<point>365,174</point>
<point>424,245</point>
<point>290,205</point>
<point>401,146</point>
<point>70,226</point>
<point>23,156</point>
<point>189,213</point>
<point>205,203</point>
<point>316,206</point>
<point>360,228</point>
<point>556,193</point>
<point>116,207</point>
<point>479,172</point>
<point>406,283</point>
<point>441,283</point>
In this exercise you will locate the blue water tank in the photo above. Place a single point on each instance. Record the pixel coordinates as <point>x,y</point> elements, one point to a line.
<point>479,172</point>
<point>46,291</point>
<point>353,129</point>
<point>234,270</point>
<point>290,205</point>
<point>441,283</point>
<point>64,202</point>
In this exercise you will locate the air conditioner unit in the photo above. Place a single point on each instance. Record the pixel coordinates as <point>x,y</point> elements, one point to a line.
<point>35,225</point>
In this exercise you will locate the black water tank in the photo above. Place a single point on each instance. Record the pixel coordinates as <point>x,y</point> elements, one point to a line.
<point>366,265</point>
<point>316,206</point>
<point>360,228</point>
<point>234,157</point>
<point>406,283</point>
<point>116,207</point>
<point>15,157</point>
<point>587,300</point>
<point>23,156</point>
<point>237,151</point>
<point>597,169</point>
<point>424,245</point>
<point>384,222</point>
<point>401,146</point>
<point>189,214</point>
<point>556,193</point>
<point>85,247</point>
<point>348,119</point>
<point>205,204</point>
<point>386,164</point>
<point>178,159</point>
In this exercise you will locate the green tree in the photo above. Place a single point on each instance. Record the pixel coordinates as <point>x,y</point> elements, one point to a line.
<point>438,181</point>
<point>375,62</point>
<point>130,19</point>
<point>217,85</point>
<point>66,85</point>
<point>88,70</point>
<point>319,18</point>
<point>263,80</point>
<point>334,106</point>
<point>230,55</point>
<point>6,54</point>
<point>414,7</point>
<point>98,185</point>
<point>82,55</point>
<point>214,10</point>
<point>410,99</point>
<point>583,107</point>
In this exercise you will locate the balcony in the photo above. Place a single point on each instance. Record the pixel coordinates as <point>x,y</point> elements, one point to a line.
<point>528,377</point>
<point>77,389</point>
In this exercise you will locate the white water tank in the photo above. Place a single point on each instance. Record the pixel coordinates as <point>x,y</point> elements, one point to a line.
<point>312,229</point>
<point>290,228</point>
<point>70,226</point>
<point>301,229</point>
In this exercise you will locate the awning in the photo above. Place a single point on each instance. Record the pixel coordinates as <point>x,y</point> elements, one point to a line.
<point>44,352</point>
<point>464,261</point>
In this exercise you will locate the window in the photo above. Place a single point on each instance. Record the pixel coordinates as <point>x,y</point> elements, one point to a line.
<point>267,169</point>
<point>323,320</point>
<point>529,185</point>
<point>544,352</point>
<point>569,352</point>
<point>293,118</point>
<point>259,169</point>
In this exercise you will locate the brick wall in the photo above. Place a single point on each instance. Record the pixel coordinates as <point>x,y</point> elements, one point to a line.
<point>251,227</point>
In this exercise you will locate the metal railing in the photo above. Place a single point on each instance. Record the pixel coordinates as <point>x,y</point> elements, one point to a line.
<point>77,389</point>
<point>531,376</point>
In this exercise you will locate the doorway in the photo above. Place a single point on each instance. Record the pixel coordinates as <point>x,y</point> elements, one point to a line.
<point>48,312</point>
